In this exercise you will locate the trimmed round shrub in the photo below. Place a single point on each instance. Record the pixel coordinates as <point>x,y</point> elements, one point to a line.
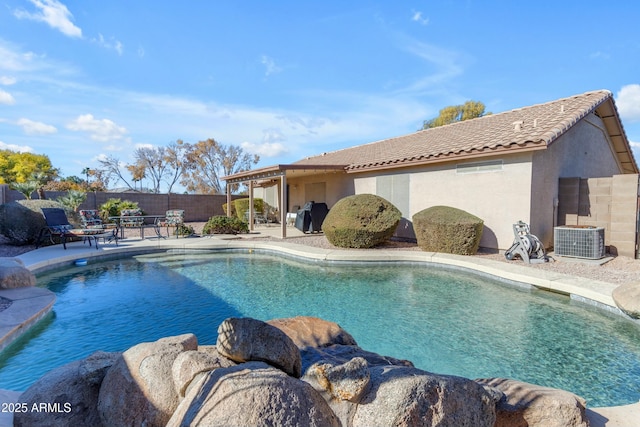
<point>22,220</point>
<point>221,224</point>
<point>448,230</point>
<point>361,221</point>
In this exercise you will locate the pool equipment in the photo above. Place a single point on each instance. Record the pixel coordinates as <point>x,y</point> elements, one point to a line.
<point>526,245</point>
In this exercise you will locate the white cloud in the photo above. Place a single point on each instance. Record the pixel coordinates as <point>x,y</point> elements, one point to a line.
<point>31,127</point>
<point>112,43</point>
<point>270,65</point>
<point>447,65</point>
<point>18,148</point>
<point>6,98</point>
<point>54,13</point>
<point>100,130</point>
<point>417,17</point>
<point>628,102</point>
<point>634,144</point>
<point>7,81</point>
<point>266,149</point>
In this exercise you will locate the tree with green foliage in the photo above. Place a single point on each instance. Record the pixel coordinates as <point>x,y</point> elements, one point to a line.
<point>21,167</point>
<point>456,113</point>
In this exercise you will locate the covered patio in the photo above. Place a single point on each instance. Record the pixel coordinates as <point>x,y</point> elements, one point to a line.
<point>276,175</point>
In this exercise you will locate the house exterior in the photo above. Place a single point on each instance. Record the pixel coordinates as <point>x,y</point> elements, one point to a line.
<point>502,167</point>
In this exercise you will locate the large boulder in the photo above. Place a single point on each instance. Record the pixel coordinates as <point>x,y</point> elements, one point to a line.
<point>252,394</point>
<point>139,389</point>
<point>627,298</point>
<point>246,339</point>
<point>347,381</point>
<point>392,391</point>
<point>66,396</point>
<point>403,396</point>
<point>529,405</point>
<point>13,274</point>
<point>340,354</point>
<point>189,364</point>
<point>308,331</point>
<point>361,221</point>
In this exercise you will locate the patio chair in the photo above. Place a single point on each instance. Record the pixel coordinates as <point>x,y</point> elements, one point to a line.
<point>131,218</point>
<point>58,226</point>
<point>173,218</point>
<point>90,218</point>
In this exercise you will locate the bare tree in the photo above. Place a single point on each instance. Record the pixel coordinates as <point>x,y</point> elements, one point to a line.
<point>209,161</point>
<point>175,158</point>
<point>111,169</point>
<point>151,163</point>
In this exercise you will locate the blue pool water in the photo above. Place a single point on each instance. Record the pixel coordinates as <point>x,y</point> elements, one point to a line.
<point>444,321</point>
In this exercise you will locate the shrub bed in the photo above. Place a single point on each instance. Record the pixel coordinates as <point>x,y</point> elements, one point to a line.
<point>448,230</point>
<point>220,224</point>
<point>361,221</point>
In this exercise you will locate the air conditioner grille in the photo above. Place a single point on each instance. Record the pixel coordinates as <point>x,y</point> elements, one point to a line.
<point>579,242</point>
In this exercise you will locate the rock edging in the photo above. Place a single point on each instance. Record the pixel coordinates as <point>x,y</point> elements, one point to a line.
<point>275,377</point>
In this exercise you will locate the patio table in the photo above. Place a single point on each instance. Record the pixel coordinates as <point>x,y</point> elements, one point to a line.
<point>148,221</point>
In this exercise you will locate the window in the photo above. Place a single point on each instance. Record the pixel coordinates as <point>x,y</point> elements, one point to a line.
<point>478,167</point>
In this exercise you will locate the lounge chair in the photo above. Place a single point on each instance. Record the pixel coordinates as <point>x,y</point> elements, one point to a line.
<point>90,219</point>
<point>58,226</point>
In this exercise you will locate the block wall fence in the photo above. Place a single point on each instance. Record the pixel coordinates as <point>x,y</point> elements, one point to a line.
<point>612,203</point>
<point>197,207</point>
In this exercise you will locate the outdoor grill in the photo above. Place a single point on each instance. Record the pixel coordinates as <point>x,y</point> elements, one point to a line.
<point>309,219</point>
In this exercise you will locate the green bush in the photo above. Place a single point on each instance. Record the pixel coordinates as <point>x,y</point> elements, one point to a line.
<point>449,230</point>
<point>113,207</point>
<point>361,221</point>
<point>242,207</point>
<point>22,220</point>
<point>233,209</point>
<point>184,230</point>
<point>220,224</point>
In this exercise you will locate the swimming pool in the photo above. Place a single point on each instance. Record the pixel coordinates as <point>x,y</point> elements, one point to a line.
<point>444,321</point>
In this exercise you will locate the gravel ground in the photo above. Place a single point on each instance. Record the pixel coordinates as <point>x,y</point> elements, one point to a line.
<point>619,270</point>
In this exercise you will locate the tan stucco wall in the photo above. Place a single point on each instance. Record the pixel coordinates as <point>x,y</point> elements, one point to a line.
<point>583,152</point>
<point>337,185</point>
<point>500,198</point>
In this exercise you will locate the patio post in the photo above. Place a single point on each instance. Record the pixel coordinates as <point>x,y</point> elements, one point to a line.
<point>251,205</point>
<point>283,205</point>
<point>228,199</point>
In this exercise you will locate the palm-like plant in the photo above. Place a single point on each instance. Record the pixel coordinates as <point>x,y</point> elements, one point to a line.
<point>26,188</point>
<point>73,199</point>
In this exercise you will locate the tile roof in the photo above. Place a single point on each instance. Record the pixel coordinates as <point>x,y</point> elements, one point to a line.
<point>528,128</point>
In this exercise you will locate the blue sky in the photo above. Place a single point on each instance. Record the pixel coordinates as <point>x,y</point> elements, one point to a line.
<point>289,79</point>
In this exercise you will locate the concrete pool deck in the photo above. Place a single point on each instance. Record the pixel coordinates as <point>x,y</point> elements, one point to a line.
<point>29,305</point>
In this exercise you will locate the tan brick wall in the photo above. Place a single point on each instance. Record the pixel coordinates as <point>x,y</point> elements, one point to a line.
<point>611,203</point>
<point>197,207</point>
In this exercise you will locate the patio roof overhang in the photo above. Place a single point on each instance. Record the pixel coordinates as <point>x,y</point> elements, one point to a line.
<point>273,171</point>
<point>269,176</point>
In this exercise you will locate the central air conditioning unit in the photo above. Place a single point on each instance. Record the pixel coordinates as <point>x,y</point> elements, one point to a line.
<point>579,241</point>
